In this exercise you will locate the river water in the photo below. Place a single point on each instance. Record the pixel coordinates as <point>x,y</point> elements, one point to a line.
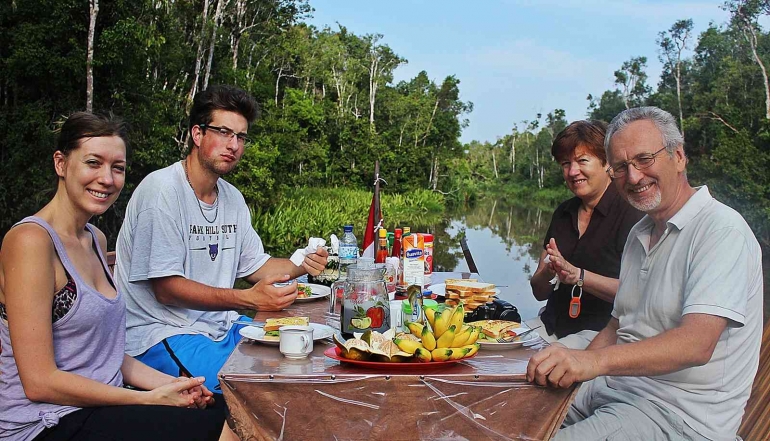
<point>505,241</point>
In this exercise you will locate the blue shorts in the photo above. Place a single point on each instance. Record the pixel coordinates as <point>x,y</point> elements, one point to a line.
<point>196,355</point>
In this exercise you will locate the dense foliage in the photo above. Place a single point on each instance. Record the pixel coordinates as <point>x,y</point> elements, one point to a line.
<point>330,107</point>
<point>329,104</point>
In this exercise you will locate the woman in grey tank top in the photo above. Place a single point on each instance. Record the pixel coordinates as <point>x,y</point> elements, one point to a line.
<point>62,323</point>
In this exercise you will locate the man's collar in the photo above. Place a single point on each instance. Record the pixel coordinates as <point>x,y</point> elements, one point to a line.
<point>691,208</point>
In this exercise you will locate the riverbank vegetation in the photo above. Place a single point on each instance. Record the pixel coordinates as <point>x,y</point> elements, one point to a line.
<point>330,108</point>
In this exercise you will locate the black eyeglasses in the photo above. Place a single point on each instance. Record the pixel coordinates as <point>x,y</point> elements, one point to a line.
<point>224,132</point>
<point>640,162</point>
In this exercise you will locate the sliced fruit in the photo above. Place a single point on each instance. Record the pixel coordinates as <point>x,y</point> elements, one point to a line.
<point>361,323</point>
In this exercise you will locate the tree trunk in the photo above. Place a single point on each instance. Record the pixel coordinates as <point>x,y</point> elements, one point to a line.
<point>679,97</point>
<point>90,57</point>
<point>753,43</point>
<point>217,18</point>
<point>372,86</point>
<point>513,155</point>
<point>198,56</point>
<point>494,164</point>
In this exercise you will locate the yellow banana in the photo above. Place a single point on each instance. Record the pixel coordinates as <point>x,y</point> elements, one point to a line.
<point>458,353</point>
<point>462,336</point>
<point>472,349</point>
<point>446,338</point>
<point>430,314</point>
<point>474,335</point>
<point>415,328</point>
<point>428,339</point>
<point>408,346</point>
<point>441,354</point>
<point>442,322</point>
<point>423,355</point>
<point>458,316</point>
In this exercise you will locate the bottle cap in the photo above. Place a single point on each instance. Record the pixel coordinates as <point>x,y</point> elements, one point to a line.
<point>348,228</point>
<point>427,237</point>
<point>427,294</point>
<point>382,233</point>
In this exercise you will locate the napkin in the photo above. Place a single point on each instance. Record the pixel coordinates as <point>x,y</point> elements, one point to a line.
<point>555,281</point>
<point>335,244</point>
<point>311,247</point>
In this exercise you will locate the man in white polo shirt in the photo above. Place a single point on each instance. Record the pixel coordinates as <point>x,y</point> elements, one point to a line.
<point>679,355</point>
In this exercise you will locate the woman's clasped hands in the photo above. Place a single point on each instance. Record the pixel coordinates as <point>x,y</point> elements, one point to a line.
<point>182,392</point>
<point>558,265</point>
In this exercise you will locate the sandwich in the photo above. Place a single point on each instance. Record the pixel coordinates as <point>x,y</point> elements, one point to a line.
<point>494,329</point>
<point>472,292</point>
<point>303,291</point>
<point>272,325</point>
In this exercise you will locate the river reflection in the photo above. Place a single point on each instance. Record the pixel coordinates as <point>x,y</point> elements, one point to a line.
<point>505,241</point>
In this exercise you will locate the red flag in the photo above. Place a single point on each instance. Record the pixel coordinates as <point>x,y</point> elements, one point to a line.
<point>375,217</point>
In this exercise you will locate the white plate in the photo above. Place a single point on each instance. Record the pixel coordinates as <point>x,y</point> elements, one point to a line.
<point>440,289</point>
<point>258,334</point>
<point>494,346</point>
<point>318,292</point>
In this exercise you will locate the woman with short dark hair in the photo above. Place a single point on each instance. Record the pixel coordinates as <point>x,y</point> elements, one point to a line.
<point>579,267</point>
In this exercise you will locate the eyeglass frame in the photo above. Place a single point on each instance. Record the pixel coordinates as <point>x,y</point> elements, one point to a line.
<point>242,138</point>
<point>611,170</point>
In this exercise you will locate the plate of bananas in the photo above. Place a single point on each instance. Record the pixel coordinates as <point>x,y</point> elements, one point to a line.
<point>443,339</point>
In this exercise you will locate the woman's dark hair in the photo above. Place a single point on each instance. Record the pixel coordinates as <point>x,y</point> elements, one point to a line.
<point>227,98</point>
<point>589,134</point>
<point>82,125</point>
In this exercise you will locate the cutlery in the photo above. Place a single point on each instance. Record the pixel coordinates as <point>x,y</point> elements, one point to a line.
<point>249,323</point>
<point>510,339</point>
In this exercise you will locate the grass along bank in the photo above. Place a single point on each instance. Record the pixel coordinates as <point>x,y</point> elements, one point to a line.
<point>319,212</point>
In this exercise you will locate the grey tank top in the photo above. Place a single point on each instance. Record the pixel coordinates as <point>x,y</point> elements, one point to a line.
<point>88,341</point>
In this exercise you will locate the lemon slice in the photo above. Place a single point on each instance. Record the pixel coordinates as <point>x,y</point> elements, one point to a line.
<point>362,323</point>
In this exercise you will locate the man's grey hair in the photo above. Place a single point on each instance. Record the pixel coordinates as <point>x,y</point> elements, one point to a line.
<point>664,121</point>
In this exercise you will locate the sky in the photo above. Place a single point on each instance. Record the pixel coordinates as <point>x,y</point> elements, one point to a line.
<point>518,58</point>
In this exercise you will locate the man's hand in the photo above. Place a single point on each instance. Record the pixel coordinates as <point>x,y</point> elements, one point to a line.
<point>567,272</point>
<point>268,297</point>
<point>316,262</point>
<point>557,366</point>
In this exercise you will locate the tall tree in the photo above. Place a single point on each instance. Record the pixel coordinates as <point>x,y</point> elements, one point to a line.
<point>745,14</point>
<point>93,13</point>
<point>672,44</point>
<point>632,78</point>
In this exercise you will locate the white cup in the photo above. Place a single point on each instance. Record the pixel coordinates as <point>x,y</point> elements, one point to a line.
<point>296,342</point>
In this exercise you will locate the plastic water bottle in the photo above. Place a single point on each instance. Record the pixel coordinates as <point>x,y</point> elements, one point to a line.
<point>348,251</point>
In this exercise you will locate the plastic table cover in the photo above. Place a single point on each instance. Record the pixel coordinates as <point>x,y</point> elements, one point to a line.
<point>484,398</point>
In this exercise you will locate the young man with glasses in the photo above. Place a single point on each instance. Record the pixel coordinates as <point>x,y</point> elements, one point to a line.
<point>186,237</point>
<point>679,355</point>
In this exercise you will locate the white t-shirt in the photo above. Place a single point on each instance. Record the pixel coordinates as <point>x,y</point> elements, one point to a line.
<point>165,233</point>
<point>708,262</point>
